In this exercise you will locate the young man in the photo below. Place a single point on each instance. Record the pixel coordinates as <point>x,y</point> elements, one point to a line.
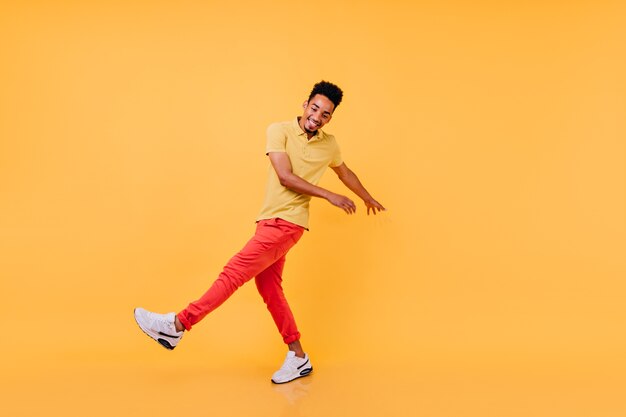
<point>299,152</point>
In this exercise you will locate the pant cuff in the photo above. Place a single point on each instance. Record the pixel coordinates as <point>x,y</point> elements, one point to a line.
<point>183,320</point>
<point>290,339</point>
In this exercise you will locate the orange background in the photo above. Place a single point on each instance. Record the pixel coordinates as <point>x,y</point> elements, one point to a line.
<point>132,168</point>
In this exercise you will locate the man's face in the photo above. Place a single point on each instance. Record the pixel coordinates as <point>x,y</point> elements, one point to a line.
<point>317,112</point>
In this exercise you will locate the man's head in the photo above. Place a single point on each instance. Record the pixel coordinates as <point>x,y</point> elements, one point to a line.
<point>329,90</point>
<point>319,107</point>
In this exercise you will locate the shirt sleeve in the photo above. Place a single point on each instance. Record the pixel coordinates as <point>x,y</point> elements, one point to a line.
<point>276,139</point>
<point>337,159</point>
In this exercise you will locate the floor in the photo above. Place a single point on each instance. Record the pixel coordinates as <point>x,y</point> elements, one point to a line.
<point>149,382</point>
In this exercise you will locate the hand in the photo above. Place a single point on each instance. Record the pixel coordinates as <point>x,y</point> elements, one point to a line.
<point>374,206</point>
<point>342,202</point>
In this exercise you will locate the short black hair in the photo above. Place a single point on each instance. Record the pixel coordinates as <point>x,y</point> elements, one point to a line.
<point>330,90</point>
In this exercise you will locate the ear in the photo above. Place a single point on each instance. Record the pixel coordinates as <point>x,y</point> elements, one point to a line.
<point>306,103</point>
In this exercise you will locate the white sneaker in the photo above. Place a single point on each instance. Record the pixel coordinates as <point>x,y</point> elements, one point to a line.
<point>293,367</point>
<point>160,327</point>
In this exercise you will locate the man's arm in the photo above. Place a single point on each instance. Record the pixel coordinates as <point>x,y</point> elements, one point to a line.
<point>282,166</point>
<point>349,178</point>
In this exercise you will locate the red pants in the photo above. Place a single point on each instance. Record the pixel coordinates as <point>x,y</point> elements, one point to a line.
<point>263,257</point>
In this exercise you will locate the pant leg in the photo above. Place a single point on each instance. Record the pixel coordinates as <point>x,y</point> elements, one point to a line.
<point>272,240</point>
<point>269,284</point>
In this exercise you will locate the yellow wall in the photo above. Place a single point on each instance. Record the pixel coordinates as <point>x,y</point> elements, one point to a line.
<point>132,167</point>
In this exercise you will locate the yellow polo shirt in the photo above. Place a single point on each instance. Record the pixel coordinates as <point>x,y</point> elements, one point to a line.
<point>309,159</point>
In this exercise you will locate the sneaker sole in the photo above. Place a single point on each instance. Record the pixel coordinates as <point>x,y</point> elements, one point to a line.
<point>303,373</point>
<point>159,340</point>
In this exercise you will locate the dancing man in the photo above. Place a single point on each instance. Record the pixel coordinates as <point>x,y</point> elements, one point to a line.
<point>299,152</point>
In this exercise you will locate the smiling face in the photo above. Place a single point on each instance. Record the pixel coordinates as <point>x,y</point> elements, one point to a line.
<point>317,112</point>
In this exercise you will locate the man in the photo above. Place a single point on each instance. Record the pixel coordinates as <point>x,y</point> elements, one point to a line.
<point>299,152</point>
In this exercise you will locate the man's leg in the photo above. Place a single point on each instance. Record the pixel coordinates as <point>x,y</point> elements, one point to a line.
<point>272,240</point>
<point>269,284</point>
<point>297,363</point>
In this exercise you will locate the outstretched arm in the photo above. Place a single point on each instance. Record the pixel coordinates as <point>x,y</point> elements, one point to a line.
<point>349,178</point>
<point>282,166</point>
